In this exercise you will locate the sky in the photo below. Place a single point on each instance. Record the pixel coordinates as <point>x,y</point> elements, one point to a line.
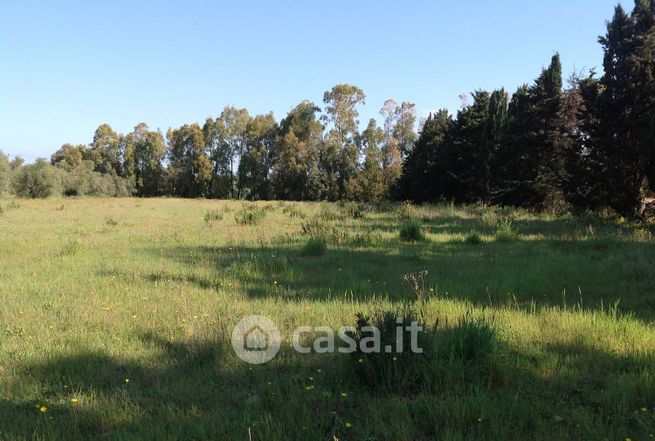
<point>68,66</point>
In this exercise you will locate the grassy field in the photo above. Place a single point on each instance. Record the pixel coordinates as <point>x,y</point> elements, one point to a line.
<point>116,316</point>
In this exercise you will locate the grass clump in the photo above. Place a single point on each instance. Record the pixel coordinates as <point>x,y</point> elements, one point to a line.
<point>506,232</point>
<point>213,215</point>
<point>248,216</point>
<point>411,231</point>
<point>473,238</point>
<point>315,246</point>
<point>72,247</point>
<point>111,222</point>
<point>470,340</point>
<point>400,370</point>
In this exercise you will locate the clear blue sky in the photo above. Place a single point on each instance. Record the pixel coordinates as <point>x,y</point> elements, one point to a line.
<point>66,67</point>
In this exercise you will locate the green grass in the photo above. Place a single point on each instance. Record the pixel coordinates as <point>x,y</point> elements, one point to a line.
<point>121,329</point>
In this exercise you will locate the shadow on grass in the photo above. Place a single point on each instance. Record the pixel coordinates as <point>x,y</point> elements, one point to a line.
<point>197,390</point>
<point>522,273</point>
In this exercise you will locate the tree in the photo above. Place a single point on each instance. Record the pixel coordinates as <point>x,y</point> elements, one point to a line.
<point>69,156</point>
<point>529,165</point>
<point>105,149</point>
<point>342,149</point>
<point>370,179</point>
<point>5,174</point>
<point>148,150</point>
<point>295,173</point>
<point>226,139</point>
<point>424,171</point>
<point>399,138</point>
<point>255,164</point>
<point>190,167</point>
<point>466,154</point>
<point>38,180</point>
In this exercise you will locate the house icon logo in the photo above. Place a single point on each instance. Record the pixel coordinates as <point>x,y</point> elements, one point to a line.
<point>256,339</point>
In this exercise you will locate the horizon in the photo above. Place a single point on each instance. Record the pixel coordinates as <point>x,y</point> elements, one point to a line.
<point>69,72</point>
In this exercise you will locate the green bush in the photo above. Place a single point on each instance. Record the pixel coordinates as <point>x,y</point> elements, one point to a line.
<point>315,246</point>
<point>411,231</point>
<point>247,216</point>
<point>473,238</point>
<point>393,371</point>
<point>38,180</point>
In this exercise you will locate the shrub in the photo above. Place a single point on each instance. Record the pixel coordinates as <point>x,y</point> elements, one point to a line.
<point>314,246</point>
<point>410,231</point>
<point>38,180</point>
<point>473,238</point>
<point>506,232</point>
<point>394,371</point>
<point>111,222</point>
<point>2,211</point>
<point>247,216</point>
<point>213,215</point>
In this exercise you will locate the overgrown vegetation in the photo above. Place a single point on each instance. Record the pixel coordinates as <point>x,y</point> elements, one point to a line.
<point>547,337</point>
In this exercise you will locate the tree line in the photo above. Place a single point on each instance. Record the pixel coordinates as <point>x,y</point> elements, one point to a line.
<point>588,144</point>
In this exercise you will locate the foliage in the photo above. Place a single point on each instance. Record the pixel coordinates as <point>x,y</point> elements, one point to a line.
<point>38,180</point>
<point>249,216</point>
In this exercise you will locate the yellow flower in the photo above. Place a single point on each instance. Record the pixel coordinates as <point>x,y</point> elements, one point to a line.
<point>311,378</point>
<point>127,380</point>
<point>74,401</point>
<point>43,409</point>
<point>348,425</point>
<point>643,409</point>
<point>360,360</point>
<point>319,370</point>
<point>344,394</point>
<point>395,358</point>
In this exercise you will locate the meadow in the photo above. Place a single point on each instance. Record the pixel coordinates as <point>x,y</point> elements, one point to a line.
<point>116,315</point>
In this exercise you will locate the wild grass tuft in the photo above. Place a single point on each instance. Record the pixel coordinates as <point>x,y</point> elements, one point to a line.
<point>506,232</point>
<point>249,216</point>
<point>213,215</point>
<point>394,366</point>
<point>473,238</point>
<point>315,246</point>
<point>410,231</point>
<point>72,247</point>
